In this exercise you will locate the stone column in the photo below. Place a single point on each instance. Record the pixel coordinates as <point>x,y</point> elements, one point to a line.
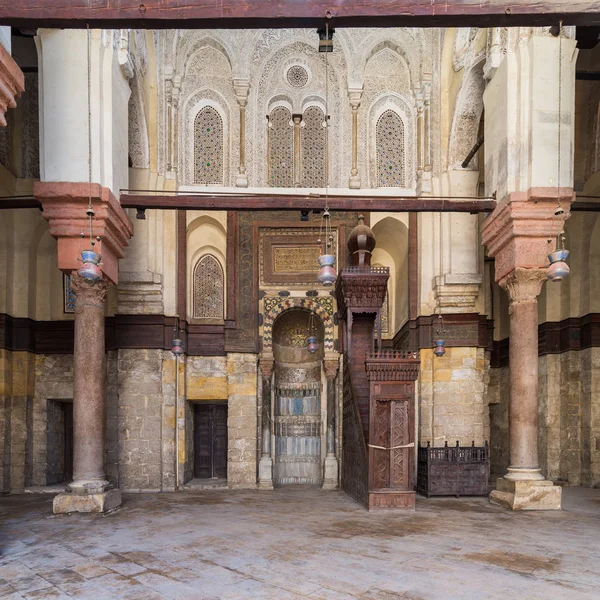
<point>90,491</point>
<point>420,136</point>
<point>523,287</point>
<point>517,235</point>
<point>241,88</point>
<point>330,471</point>
<point>355,96</point>
<point>265,466</point>
<point>297,120</point>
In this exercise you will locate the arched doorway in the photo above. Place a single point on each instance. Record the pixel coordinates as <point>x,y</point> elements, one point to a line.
<point>297,407</point>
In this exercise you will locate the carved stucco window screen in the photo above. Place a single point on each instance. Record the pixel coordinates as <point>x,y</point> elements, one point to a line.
<point>208,299</point>
<point>208,147</point>
<point>280,156</point>
<point>389,143</point>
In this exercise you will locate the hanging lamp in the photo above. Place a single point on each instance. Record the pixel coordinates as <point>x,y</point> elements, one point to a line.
<point>439,346</point>
<point>327,274</point>
<point>312,345</point>
<point>558,268</point>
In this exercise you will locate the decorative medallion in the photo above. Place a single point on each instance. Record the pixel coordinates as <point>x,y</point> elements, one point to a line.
<point>297,76</point>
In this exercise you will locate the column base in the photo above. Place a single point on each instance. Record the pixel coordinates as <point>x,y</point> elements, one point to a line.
<point>100,502</point>
<point>241,180</point>
<point>265,473</point>
<point>354,182</point>
<point>330,473</point>
<point>527,495</point>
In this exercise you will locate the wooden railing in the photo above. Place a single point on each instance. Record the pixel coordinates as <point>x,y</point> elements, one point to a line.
<point>355,470</point>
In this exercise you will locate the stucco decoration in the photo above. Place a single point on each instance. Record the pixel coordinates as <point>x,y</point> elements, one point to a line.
<point>383,92</point>
<point>208,82</point>
<point>467,115</point>
<point>276,51</point>
<point>138,131</point>
<point>208,288</point>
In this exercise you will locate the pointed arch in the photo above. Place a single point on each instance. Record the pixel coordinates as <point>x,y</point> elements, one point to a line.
<point>208,147</point>
<point>313,144</point>
<point>281,148</point>
<point>209,284</point>
<point>389,144</point>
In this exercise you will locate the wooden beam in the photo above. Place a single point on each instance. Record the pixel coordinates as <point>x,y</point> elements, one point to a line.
<point>200,14</point>
<point>289,202</point>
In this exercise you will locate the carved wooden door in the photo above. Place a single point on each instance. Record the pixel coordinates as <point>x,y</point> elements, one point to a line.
<point>210,441</point>
<point>391,449</point>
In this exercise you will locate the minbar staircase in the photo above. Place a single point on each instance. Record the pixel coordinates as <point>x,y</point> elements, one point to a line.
<point>378,404</point>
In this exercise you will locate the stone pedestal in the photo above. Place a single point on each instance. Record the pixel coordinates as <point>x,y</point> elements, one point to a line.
<point>527,495</point>
<point>86,503</point>
<point>330,473</point>
<point>265,473</point>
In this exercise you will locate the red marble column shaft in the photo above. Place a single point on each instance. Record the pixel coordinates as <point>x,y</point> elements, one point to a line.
<point>523,287</point>
<point>89,406</point>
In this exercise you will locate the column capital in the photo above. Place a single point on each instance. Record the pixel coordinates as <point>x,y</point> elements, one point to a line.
<point>518,231</point>
<point>65,205</point>
<point>241,88</point>
<point>331,366</point>
<point>12,83</point>
<point>523,285</point>
<point>355,97</point>
<point>266,364</point>
<point>89,294</point>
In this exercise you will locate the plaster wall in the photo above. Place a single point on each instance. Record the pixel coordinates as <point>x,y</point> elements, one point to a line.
<point>63,85</point>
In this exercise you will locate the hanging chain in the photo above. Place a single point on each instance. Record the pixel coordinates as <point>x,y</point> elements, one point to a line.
<point>326,215</point>
<point>90,210</point>
<point>559,210</point>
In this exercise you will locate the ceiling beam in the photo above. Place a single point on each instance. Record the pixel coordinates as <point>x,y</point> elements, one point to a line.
<point>299,203</point>
<point>248,14</point>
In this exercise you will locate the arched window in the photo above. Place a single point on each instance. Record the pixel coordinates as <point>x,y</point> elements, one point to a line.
<point>208,288</point>
<point>281,148</point>
<point>313,141</point>
<point>208,147</point>
<point>389,143</point>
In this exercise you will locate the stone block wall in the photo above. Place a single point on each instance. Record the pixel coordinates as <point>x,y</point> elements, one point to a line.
<point>452,397</point>
<point>53,383</point>
<point>497,398</point>
<point>242,420</point>
<point>569,417</point>
<point>140,400</point>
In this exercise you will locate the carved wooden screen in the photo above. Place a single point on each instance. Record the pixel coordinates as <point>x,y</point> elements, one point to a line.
<point>208,147</point>
<point>389,143</point>
<point>281,148</point>
<point>208,289</point>
<point>313,141</point>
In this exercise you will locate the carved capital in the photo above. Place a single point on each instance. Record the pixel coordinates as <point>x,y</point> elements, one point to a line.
<point>89,294</point>
<point>331,367</point>
<point>65,205</point>
<point>523,285</point>
<point>355,97</point>
<point>266,365</point>
<point>12,83</point>
<point>241,87</point>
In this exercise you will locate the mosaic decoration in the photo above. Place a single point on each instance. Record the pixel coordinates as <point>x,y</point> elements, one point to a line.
<point>313,142</point>
<point>208,147</point>
<point>297,76</point>
<point>390,150</point>
<point>293,260</point>
<point>326,302</point>
<point>281,148</point>
<point>208,289</point>
<point>68,294</point>
<point>291,303</point>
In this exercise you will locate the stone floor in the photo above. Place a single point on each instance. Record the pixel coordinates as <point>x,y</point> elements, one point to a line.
<point>298,543</point>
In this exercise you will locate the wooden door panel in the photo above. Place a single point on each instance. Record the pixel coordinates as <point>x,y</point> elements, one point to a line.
<point>202,441</point>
